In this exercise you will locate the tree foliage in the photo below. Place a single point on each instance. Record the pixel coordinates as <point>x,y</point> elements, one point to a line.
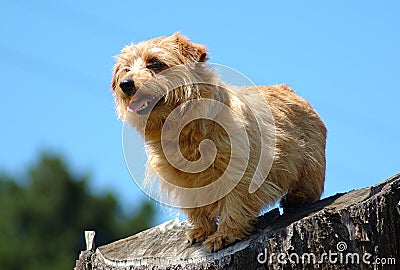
<point>42,217</point>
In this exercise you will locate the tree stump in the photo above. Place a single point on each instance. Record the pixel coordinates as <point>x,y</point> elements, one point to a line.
<point>359,229</point>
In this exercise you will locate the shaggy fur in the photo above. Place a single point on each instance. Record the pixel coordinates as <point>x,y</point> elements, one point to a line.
<point>298,169</point>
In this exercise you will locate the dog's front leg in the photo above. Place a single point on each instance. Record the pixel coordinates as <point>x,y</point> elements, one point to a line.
<point>204,224</point>
<point>235,222</point>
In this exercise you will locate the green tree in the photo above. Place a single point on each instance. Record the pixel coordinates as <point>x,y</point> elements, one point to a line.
<point>42,217</point>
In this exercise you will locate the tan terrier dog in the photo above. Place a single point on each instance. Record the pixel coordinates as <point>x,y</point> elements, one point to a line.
<point>161,83</point>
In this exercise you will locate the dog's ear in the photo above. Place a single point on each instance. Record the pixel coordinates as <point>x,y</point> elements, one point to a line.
<point>191,51</point>
<point>113,83</point>
<point>113,80</point>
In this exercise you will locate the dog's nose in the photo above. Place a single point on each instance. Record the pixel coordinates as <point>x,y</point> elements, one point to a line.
<point>128,87</point>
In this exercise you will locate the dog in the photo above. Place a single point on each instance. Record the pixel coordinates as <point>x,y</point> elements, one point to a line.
<point>162,86</point>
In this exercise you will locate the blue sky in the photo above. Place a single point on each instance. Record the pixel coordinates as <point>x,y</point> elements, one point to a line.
<point>56,59</point>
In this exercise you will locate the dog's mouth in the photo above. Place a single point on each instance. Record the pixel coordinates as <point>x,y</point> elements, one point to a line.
<point>142,104</point>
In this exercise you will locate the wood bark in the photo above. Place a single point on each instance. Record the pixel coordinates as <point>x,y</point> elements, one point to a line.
<point>359,229</point>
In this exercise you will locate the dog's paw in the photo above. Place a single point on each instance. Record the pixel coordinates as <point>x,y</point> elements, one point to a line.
<point>215,242</point>
<point>221,239</point>
<point>197,235</point>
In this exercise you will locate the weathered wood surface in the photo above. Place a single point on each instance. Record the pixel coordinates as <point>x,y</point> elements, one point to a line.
<point>363,224</point>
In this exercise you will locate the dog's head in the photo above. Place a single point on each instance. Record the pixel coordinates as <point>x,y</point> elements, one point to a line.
<point>141,78</point>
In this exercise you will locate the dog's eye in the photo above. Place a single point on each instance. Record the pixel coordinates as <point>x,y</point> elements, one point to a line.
<point>155,65</point>
<point>127,69</point>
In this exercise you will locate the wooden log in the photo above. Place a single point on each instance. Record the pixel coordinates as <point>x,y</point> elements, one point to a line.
<point>359,229</point>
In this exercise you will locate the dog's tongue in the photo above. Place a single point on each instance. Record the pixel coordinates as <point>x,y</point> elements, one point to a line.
<point>136,104</point>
